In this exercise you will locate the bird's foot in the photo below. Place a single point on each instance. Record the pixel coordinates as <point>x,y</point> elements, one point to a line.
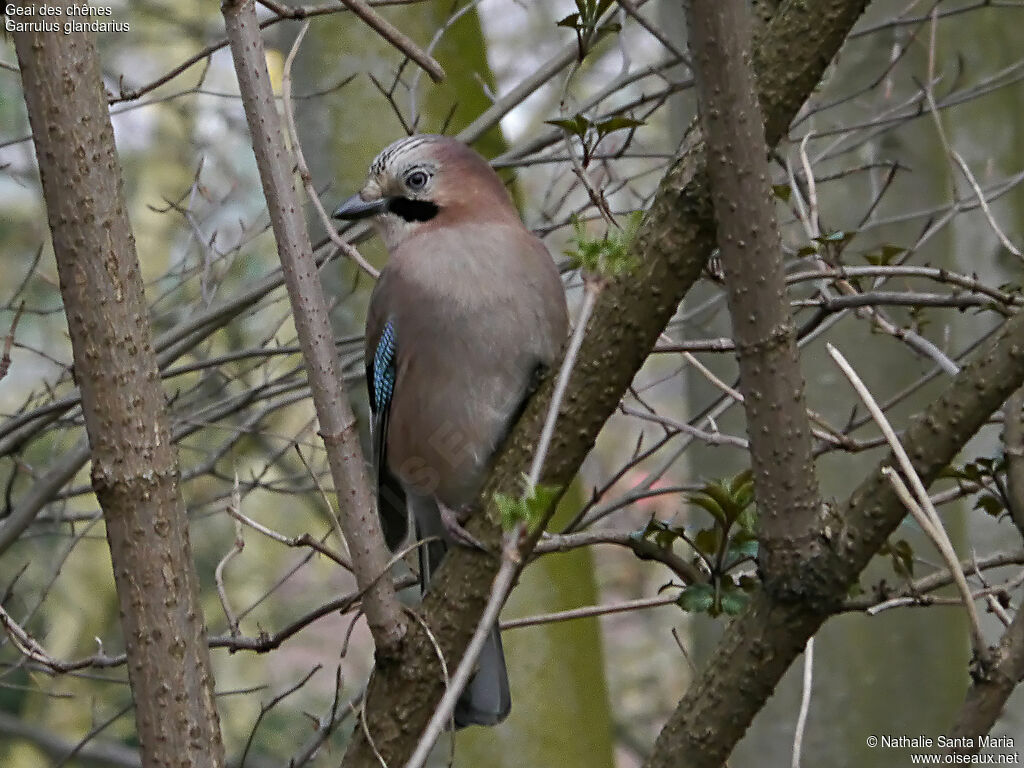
<point>453,521</point>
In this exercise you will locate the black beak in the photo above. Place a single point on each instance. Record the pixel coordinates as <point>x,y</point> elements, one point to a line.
<point>357,208</point>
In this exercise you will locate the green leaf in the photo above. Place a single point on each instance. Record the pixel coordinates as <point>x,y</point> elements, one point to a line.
<point>697,598</point>
<point>748,583</point>
<point>720,493</point>
<point>991,504</point>
<point>530,508</point>
<point>782,191</point>
<point>576,125</point>
<point>606,30</point>
<point>884,255</point>
<point>708,540</point>
<point>838,236</point>
<point>952,472</point>
<point>572,21</point>
<point>661,533</point>
<point>902,555</point>
<point>733,599</point>
<point>747,520</point>
<point>712,506</point>
<point>742,480</point>
<point>617,123</point>
<point>511,509</point>
<point>741,546</point>
<point>609,256</point>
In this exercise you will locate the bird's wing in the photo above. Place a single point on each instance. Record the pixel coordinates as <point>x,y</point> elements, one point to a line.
<point>381,356</point>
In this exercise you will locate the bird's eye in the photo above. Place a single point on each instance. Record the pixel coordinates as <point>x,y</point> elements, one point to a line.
<point>416,180</point>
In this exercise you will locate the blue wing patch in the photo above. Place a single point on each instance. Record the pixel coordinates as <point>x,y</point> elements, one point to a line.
<point>384,368</point>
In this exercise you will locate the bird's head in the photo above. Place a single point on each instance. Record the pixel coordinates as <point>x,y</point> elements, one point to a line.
<point>425,181</point>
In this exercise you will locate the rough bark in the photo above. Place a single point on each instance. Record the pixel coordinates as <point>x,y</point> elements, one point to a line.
<point>987,696</point>
<point>338,427</point>
<point>671,249</point>
<point>1013,440</point>
<point>762,324</point>
<point>134,463</point>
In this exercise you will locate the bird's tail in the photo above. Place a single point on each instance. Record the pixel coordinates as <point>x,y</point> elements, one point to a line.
<point>487,699</point>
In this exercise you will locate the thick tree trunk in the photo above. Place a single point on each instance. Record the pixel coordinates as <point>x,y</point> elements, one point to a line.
<point>134,464</point>
<point>751,253</point>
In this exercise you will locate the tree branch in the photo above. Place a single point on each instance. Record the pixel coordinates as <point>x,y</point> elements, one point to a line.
<point>762,643</point>
<point>309,306</point>
<point>1013,441</point>
<point>751,254</point>
<point>986,697</point>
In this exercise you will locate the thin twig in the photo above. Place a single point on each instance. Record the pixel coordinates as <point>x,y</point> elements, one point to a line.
<point>805,703</point>
<point>927,517</point>
<point>654,31</point>
<point>938,535</point>
<point>590,611</point>
<point>5,359</point>
<point>929,93</point>
<point>591,291</point>
<point>303,540</point>
<point>265,708</point>
<point>300,162</point>
<point>236,549</point>
<point>396,37</point>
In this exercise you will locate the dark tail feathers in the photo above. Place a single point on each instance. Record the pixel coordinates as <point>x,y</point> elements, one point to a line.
<point>486,700</point>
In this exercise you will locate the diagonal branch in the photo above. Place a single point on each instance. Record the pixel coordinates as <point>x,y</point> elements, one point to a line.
<point>396,37</point>
<point>986,698</point>
<point>762,643</point>
<point>309,306</point>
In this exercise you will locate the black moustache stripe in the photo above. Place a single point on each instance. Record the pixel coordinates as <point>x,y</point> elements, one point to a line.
<point>413,210</point>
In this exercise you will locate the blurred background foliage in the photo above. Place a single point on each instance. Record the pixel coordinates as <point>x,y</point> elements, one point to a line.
<point>587,692</point>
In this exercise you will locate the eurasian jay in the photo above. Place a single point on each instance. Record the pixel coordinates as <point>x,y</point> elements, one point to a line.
<point>467,312</point>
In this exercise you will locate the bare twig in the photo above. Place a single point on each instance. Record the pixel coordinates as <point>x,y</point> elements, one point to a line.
<point>5,359</point>
<point>927,517</point>
<point>590,611</point>
<point>302,540</point>
<point>944,140</point>
<point>265,708</point>
<point>805,703</point>
<point>591,292</point>
<point>236,549</point>
<point>396,37</point>
<point>300,161</point>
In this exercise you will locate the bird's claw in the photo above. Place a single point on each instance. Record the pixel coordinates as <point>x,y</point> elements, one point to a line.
<point>452,522</point>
